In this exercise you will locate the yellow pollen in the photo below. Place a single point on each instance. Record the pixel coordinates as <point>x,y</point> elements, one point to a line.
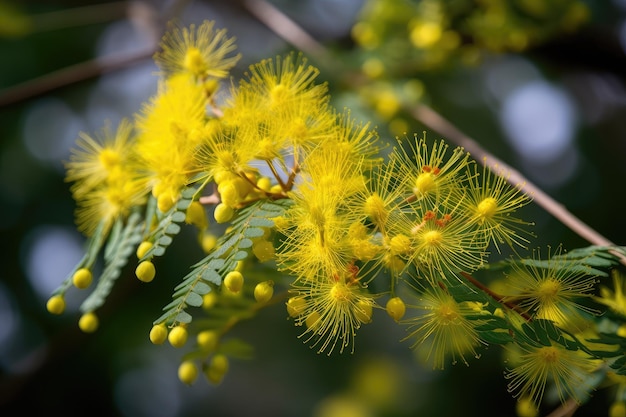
<point>487,208</point>
<point>340,293</point>
<point>424,184</point>
<point>433,237</point>
<point>279,94</point>
<point>549,289</point>
<point>109,159</point>
<point>447,313</point>
<point>549,354</point>
<point>226,160</point>
<point>194,62</point>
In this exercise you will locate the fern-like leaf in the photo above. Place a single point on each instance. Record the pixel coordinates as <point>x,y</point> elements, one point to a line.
<point>230,249</point>
<point>119,247</point>
<point>94,245</point>
<point>163,234</point>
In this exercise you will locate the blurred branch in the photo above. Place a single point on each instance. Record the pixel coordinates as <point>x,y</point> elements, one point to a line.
<point>70,75</point>
<point>286,28</point>
<point>78,16</point>
<point>141,14</point>
<point>566,410</point>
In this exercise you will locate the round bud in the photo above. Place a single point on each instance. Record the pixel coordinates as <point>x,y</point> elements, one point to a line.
<point>296,306</point>
<point>228,193</point>
<point>363,311</point>
<point>219,363</point>
<point>145,271</point>
<point>264,183</point>
<point>217,368</point>
<point>276,189</point>
<point>187,372</point>
<point>396,308</point>
<point>243,186</point>
<point>233,281</point>
<point>165,202</point>
<point>312,320</point>
<point>88,322</point>
<point>158,334</point>
<point>263,250</point>
<point>56,304</point>
<point>196,215</point>
<point>208,339</point>
<point>264,291</point>
<point>143,248</point>
<point>223,213</point>
<point>526,408</point>
<point>209,300</point>
<point>178,336</point>
<point>82,278</point>
<point>209,242</point>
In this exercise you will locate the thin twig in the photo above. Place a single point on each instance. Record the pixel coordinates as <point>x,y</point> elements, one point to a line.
<point>78,16</point>
<point>71,75</point>
<point>285,27</point>
<point>567,409</point>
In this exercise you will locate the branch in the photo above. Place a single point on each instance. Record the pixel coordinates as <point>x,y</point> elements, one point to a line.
<point>285,28</point>
<point>70,75</point>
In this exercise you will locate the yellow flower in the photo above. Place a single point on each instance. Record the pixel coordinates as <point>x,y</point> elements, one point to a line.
<point>492,203</point>
<point>382,197</point>
<point>202,52</point>
<point>441,327</point>
<point>442,242</point>
<point>112,200</point>
<point>95,159</point>
<point>432,172</point>
<point>316,230</point>
<point>106,183</point>
<point>551,291</point>
<point>538,366</point>
<point>334,308</point>
<point>167,143</point>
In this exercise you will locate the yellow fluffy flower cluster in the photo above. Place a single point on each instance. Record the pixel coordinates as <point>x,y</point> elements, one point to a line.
<point>425,212</point>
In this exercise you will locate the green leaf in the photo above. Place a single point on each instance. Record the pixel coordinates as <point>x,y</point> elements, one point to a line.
<point>497,338</point>
<point>183,317</point>
<point>168,227</point>
<point>194,299</point>
<point>253,232</point>
<point>120,250</point>
<point>202,288</point>
<point>231,247</point>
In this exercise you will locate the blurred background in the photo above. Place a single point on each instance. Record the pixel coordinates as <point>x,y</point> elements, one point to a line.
<point>539,84</point>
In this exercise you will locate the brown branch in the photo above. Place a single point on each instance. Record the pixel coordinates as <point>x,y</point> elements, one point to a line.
<point>567,409</point>
<point>143,15</point>
<point>71,75</point>
<point>285,28</point>
<point>78,16</point>
<point>499,298</point>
